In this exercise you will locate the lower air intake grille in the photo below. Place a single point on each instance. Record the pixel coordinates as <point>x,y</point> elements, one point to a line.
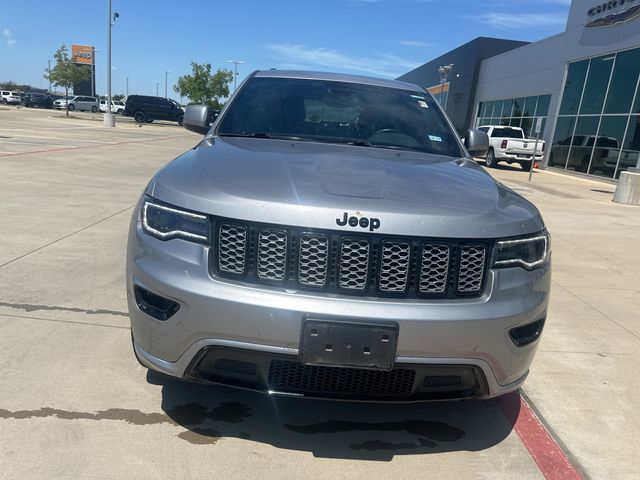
<point>296,377</point>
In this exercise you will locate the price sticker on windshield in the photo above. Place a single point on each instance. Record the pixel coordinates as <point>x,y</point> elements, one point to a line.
<point>423,104</point>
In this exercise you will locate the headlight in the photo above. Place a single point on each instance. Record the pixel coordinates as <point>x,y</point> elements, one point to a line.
<point>529,253</point>
<point>167,222</point>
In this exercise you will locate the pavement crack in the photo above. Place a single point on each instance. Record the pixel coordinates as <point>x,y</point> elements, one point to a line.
<point>27,307</point>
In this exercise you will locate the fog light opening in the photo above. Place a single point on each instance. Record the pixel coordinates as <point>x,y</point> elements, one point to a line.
<point>154,305</point>
<point>527,334</point>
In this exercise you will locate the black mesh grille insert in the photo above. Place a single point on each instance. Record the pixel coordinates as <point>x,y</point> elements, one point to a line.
<point>296,377</point>
<point>351,264</point>
<point>235,366</point>
<point>442,381</point>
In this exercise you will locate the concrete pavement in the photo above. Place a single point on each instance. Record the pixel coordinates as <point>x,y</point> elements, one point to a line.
<point>74,403</point>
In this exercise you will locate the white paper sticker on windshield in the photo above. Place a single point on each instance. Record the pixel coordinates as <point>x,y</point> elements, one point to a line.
<point>435,138</point>
<point>423,104</point>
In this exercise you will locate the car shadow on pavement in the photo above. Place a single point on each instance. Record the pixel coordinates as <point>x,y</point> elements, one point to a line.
<point>332,429</point>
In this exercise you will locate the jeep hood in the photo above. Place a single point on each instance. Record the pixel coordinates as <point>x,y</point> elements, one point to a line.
<point>311,185</point>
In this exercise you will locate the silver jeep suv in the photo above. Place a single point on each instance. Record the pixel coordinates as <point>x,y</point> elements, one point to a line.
<point>332,237</point>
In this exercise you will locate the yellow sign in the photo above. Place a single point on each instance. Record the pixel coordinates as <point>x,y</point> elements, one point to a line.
<point>82,54</point>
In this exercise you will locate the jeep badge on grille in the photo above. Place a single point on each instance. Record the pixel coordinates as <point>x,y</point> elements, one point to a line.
<point>364,222</point>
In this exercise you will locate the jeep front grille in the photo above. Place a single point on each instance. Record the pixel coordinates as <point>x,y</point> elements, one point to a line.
<point>374,265</point>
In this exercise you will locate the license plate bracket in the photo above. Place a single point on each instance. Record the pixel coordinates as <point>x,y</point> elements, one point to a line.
<point>341,344</point>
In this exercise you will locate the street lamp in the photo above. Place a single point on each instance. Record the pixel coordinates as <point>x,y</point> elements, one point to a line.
<point>235,71</point>
<point>166,73</point>
<point>157,89</point>
<point>109,117</point>
<point>127,86</point>
<point>444,71</point>
<point>49,72</point>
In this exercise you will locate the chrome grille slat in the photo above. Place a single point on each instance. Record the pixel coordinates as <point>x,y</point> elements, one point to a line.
<point>313,262</point>
<point>349,264</point>
<point>394,267</point>
<point>232,247</point>
<point>272,255</point>
<point>354,264</point>
<point>471,274</point>
<point>434,269</point>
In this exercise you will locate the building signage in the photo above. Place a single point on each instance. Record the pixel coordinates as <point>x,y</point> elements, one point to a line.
<point>82,54</point>
<point>610,19</point>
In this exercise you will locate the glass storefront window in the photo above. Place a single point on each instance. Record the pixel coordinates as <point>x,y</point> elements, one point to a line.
<point>608,144</point>
<point>518,107</point>
<point>489,110</point>
<point>497,108</point>
<point>596,86</point>
<point>582,145</point>
<point>561,141</point>
<point>573,87</point>
<point>507,107</point>
<point>529,108</point>
<point>543,105</point>
<point>630,155</point>
<point>623,82</point>
<point>527,126</point>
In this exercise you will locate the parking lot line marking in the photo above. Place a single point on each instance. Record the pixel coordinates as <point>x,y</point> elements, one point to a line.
<point>67,236</point>
<point>553,462</point>
<point>111,144</point>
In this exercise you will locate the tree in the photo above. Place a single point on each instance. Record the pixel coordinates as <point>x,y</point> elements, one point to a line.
<point>204,87</point>
<point>65,73</point>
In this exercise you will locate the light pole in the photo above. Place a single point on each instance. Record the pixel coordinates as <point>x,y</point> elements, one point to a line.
<point>127,86</point>
<point>444,71</point>
<point>157,89</point>
<point>166,74</point>
<point>235,71</point>
<point>109,117</point>
<point>49,74</point>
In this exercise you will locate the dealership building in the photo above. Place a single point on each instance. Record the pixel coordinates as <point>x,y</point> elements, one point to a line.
<point>578,90</point>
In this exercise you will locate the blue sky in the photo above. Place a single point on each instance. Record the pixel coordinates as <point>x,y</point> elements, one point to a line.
<point>383,38</point>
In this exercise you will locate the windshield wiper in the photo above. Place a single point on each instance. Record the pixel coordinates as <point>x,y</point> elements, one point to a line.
<point>250,135</point>
<point>364,143</point>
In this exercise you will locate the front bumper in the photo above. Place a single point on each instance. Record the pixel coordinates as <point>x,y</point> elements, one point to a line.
<point>216,313</point>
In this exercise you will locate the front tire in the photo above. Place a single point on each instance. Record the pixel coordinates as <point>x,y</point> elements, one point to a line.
<point>71,107</point>
<point>94,109</point>
<point>180,118</point>
<point>140,117</point>
<point>491,159</point>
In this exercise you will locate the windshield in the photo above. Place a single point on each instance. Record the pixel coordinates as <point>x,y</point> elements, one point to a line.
<point>340,112</point>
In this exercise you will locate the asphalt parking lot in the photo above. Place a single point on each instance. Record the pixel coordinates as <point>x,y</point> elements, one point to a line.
<point>74,402</point>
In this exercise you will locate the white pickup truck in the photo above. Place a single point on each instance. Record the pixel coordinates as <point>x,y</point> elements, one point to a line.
<point>509,144</point>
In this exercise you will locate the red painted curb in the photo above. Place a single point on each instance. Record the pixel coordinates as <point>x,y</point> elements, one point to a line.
<point>545,451</point>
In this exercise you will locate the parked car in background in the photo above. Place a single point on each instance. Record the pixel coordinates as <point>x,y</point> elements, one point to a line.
<point>37,99</point>
<point>10,97</point>
<point>144,108</point>
<point>117,106</point>
<point>510,145</point>
<point>77,102</point>
<point>60,101</point>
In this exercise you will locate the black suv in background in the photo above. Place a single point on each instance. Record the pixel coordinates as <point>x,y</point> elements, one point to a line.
<point>36,99</point>
<point>145,108</point>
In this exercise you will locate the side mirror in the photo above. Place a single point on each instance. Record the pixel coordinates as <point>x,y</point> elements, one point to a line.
<point>476,143</point>
<point>196,119</point>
